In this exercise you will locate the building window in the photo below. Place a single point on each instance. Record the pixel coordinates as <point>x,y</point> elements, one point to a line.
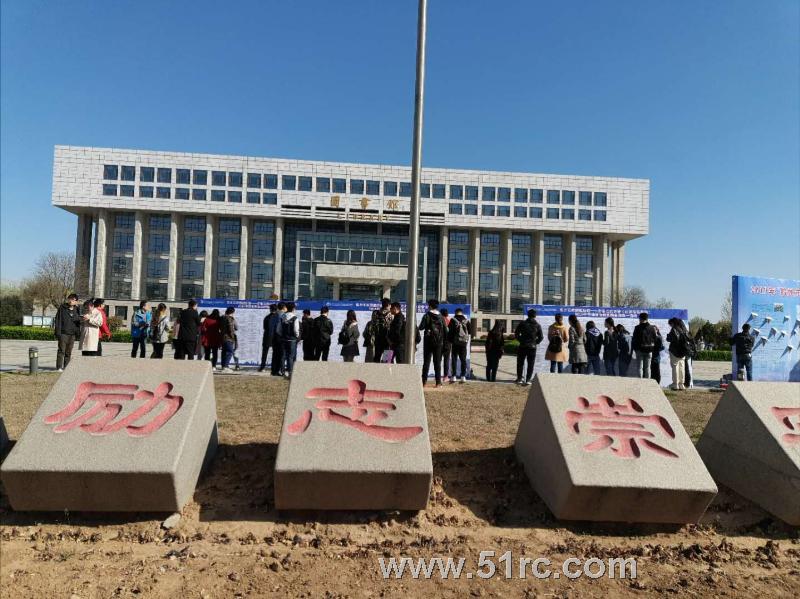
<point>126,191</point>
<point>357,186</point>
<point>340,186</point>
<point>487,210</point>
<point>123,242</point>
<point>109,190</point>
<point>536,196</point>
<point>471,193</point>
<point>227,271</point>
<point>121,312</point>
<point>521,255</point>
<point>121,266</point>
<point>552,213</point>
<point>261,273</point>
<point>234,179</point>
<point>128,173</point>
<point>553,196</point>
<point>194,245</point>
<point>196,224</point>
<point>490,250</point>
<point>110,172</point>
<point>425,190</point>
<point>235,197</point>
<point>390,188</point>
<point>520,211</point>
<point>583,287</point>
<point>600,199</point>
<point>263,227</point>
<point>217,195</point>
<point>456,209</point>
<point>584,243</point>
<point>218,178</point>
<point>160,222</point>
<point>488,194</point>
<point>199,194</point>
<point>271,181</point>
<point>520,284</point>
<point>504,211</point>
<point>520,194</point>
<point>471,209</point>
<point>157,268</point>
<point>405,189</point>
<point>583,263</point>
<point>438,191</point>
<point>553,242</point>
<point>373,188</point>
<point>200,177</point>
<point>289,182</point>
<point>568,198</point>
<point>323,184</point>
<point>504,194</point>
<point>263,248</point>
<point>304,183</point>
<point>552,261</point>
<point>190,291</point>
<point>155,291</point>
<point>182,176</point>
<point>192,269</point>
<point>270,198</point>
<point>600,215</point>
<point>457,265</point>
<point>163,193</point>
<point>585,198</point>
<point>120,289</point>
<point>535,213</point>
<point>552,285</point>
<point>147,174</point>
<point>230,225</point>
<point>584,215</point>
<point>254,180</point>
<point>181,193</point>
<point>145,191</point>
<point>568,214</point>
<point>456,192</point>
<point>253,197</point>
<point>229,247</point>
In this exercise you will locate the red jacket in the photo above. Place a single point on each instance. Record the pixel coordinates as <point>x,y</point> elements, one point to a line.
<point>105,332</point>
<point>210,334</point>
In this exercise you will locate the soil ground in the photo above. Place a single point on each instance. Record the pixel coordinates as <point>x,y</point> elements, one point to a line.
<point>230,542</point>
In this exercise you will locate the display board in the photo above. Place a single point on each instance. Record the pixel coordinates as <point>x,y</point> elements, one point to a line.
<point>772,309</point>
<point>628,317</point>
<point>250,318</point>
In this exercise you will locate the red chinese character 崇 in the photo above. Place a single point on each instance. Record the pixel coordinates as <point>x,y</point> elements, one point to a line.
<point>107,400</point>
<point>786,415</point>
<point>622,427</point>
<point>364,415</point>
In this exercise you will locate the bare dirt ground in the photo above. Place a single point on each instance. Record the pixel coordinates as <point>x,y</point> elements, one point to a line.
<point>230,542</point>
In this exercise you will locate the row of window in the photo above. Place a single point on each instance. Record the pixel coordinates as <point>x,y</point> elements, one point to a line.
<point>182,193</point>
<point>148,174</point>
<point>525,212</point>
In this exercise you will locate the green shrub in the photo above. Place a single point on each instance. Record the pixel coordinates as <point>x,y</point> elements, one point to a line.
<point>46,334</point>
<point>715,355</point>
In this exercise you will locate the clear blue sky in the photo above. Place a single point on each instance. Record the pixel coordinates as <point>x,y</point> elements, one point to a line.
<point>700,97</point>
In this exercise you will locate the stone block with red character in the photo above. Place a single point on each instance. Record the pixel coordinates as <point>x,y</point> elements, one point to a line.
<point>610,449</point>
<point>751,444</point>
<point>354,437</point>
<point>116,434</point>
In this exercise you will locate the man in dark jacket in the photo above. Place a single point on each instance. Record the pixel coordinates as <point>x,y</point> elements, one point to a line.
<point>382,329</point>
<point>67,326</point>
<point>644,343</point>
<point>188,331</point>
<point>529,334</point>
<point>433,331</point>
<point>323,329</point>
<point>742,343</point>
<point>610,348</point>
<point>459,335</point>
<point>594,345</point>
<point>397,334</point>
<point>277,342</point>
<point>307,336</point>
<point>447,347</point>
<point>270,323</point>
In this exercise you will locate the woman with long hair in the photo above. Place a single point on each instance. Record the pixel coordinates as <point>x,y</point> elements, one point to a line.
<point>625,348</point>
<point>577,346</point>
<point>677,353</point>
<point>90,329</point>
<point>348,337</point>
<point>211,337</point>
<point>557,339</point>
<point>159,331</point>
<point>495,346</point>
<point>610,347</point>
<point>370,336</point>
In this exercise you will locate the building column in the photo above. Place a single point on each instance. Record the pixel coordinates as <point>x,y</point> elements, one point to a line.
<point>569,270</point>
<point>386,292</point>
<point>474,267</point>
<point>444,238</point>
<point>208,271</point>
<point>619,268</point>
<point>600,270</point>
<point>337,289</point>
<point>506,249</point>
<point>83,254</point>
<point>101,253</point>
<point>244,237</point>
<point>277,267</point>
<point>136,271</point>
<point>172,271</point>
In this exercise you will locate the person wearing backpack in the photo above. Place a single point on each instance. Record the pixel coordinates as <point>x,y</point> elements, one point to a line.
<point>323,329</point>
<point>644,343</point>
<point>557,339</point>
<point>140,325</point>
<point>742,344</point>
<point>447,347</point>
<point>529,335</point>
<point>270,324</point>
<point>382,329</point>
<point>432,328</point>
<point>348,337</point>
<point>594,345</point>
<point>459,335</point>
<point>307,336</point>
<point>624,342</point>
<point>495,347</point>
<point>290,333</point>
<point>370,334</point>
<point>577,346</point>
<point>677,353</point>
<point>159,331</point>
<point>655,361</point>
<point>277,368</point>
<point>397,334</point>
<point>610,348</point>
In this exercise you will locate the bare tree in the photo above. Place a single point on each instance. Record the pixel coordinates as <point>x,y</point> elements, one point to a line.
<point>726,311</point>
<point>663,303</point>
<point>53,279</point>
<point>633,297</point>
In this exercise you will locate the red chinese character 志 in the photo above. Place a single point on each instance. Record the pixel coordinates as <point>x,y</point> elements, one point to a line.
<point>790,418</point>
<point>364,415</point>
<point>107,400</point>
<point>622,427</point>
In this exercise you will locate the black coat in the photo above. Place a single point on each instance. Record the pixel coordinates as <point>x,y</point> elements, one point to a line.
<point>68,320</point>
<point>529,334</point>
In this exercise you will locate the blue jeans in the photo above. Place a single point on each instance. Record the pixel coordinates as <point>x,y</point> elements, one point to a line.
<point>227,353</point>
<point>554,365</point>
<point>746,363</point>
<point>611,367</point>
<point>290,353</point>
<point>595,365</point>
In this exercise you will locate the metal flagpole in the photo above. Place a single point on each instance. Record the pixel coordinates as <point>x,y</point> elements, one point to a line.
<point>416,164</point>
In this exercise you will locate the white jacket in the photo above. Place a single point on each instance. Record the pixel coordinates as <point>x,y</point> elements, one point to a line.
<point>90,331</point>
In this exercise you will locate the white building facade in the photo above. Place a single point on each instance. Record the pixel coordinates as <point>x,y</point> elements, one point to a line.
<point>168,226</point>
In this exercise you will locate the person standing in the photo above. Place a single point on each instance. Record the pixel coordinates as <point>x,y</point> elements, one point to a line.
<point>370,334</point>
<point>495,347</point>
<point>140,325</point>
<point>92,320</point>
<point>655,361</point>
<point>610,348</point>
<point>447,347</point>
<point>290,333</point>
<point>677,353</point>
<point>644,343</point>
<point>105,331</point>
<point>742,343</point>
<point>323,329</point>
<point>432,329</point>
<point>577,346</point>
<point>529,335</point>
<point>277,343</point>
<point>159,331</point>
<point>307,336</point>
<point>228,327</point>
<point>66,327</point>
<point>396,336</point>
<point>270,323</point>
<point>557,339</point>
<point>349,336</point>
<point>624,342</point>
<point>594,345</point>
<point>211,337</point>
<point>188,332</point>
<point>382,342</point>
<point>459,335</point>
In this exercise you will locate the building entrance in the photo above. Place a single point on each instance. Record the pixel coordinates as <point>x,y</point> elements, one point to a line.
<point>357,291</point>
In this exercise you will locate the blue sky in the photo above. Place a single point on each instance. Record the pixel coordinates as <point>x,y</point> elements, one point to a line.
<point>700,97</point>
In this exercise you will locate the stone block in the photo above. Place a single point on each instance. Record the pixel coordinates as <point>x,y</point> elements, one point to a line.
<point>354,437</point>
<point>116,434</point>
<point>752,445</point>
<point>610,449</point>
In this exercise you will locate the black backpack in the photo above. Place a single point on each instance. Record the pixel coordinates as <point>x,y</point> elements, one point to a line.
<point>287,328</point>
<point>556,344</point>
<point>434,329</point>
<point>343,336</point>
<point>649,340</point>
<point>688,346</point>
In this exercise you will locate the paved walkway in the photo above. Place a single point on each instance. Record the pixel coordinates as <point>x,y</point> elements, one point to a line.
<point>14,357</point>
